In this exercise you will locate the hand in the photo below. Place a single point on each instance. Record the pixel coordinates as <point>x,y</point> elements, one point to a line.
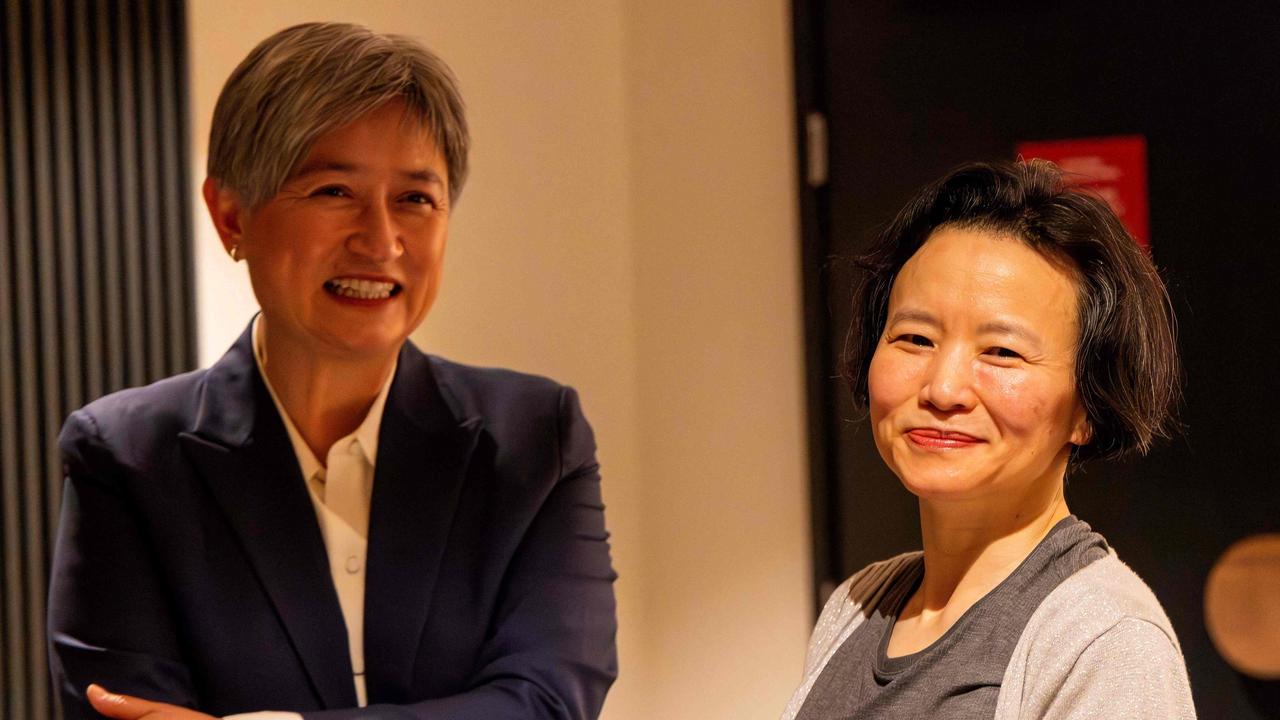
<point>127,707</point>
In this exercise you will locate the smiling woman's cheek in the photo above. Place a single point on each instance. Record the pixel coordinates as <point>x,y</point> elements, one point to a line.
<point>1019,403</point>
<point>893,378</point>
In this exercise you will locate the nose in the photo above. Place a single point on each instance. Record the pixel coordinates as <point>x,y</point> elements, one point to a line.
<point>377,237</point>
<point>949,384</point>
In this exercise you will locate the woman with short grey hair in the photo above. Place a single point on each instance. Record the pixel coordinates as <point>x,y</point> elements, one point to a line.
<point>328,523</point>
<point>312,78</point>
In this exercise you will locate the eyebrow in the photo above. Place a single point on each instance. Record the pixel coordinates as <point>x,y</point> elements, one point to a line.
<point>1004,327</point>
<point>913,316</point>
<point>319,166</point>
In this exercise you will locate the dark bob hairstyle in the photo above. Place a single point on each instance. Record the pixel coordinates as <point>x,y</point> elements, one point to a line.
<point>1127,368</point>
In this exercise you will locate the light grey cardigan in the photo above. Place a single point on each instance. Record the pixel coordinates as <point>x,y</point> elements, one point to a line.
<point>1098,646</point>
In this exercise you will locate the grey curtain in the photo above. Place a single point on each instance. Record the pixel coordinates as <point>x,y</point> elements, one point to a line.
<point>96,286</point>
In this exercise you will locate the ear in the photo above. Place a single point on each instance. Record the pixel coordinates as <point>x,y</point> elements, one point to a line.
<point>226,212</point>
<point>1081,430</point>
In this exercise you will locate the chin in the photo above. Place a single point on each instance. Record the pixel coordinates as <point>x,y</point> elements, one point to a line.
<point>932,481</point>
<point>367,344</point>
<point>939,490</point>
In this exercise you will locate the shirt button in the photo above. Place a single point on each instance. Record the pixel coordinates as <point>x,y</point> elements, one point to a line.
<point>353,564</point>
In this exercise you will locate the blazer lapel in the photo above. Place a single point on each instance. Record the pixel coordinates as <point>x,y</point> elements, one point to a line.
<point>241,449</point>
<point>423,452</point>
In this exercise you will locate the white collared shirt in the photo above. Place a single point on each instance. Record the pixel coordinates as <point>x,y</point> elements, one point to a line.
<point>340,490</point>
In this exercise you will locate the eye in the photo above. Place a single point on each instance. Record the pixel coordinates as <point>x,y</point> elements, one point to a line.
<point>914,340</point>
<point>420,198</point>
<point>1004,353</point>
<point>331,191</point>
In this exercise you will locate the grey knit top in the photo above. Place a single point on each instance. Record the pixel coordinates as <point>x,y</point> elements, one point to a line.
<point>958,675</point>
<point>1098,645</point>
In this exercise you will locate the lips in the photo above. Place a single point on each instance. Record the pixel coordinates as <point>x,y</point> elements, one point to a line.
<point>941,439</point>
<point>358,288</point>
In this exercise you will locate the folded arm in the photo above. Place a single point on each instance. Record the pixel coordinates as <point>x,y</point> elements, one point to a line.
<point>109,617</point>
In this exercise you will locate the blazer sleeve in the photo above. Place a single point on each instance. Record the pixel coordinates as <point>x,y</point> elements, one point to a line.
<point>551,652</point>
<point>109,619</point>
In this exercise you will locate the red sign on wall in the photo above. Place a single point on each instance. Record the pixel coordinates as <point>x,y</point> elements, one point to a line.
<point>1113,167</point>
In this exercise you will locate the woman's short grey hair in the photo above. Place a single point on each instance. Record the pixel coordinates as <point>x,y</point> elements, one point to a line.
<point>309,79</point>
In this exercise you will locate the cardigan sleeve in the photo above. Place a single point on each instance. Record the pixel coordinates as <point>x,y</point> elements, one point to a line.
<point>832,622</point>
<point>1133,670</point>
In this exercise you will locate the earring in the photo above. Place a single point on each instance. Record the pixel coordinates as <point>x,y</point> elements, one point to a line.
<point>235,253</point>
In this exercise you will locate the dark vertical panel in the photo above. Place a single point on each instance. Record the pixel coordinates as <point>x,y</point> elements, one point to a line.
<point>87,208</point>
<point>815,252</point>
<point>170,77</point>
<point>130,212</point>
<point>68,288</point>
<point>43,426</point>
<point>113,359</point>
<point>69,369</point>
<point>150,209</point>
<point>95,266</point>
<point>183,133</point>
<point>23,270</point>
<point>10,628</point>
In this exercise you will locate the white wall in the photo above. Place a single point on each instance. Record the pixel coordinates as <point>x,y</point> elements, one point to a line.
<point>715,236</point>
<point>629,228</point>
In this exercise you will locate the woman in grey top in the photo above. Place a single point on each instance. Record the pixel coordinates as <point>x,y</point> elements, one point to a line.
<point>1007,329</point>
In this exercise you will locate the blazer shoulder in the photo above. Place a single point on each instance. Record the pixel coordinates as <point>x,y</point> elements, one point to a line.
<point>533,418</point>
<point>133,420</point>
<point>494,392</point>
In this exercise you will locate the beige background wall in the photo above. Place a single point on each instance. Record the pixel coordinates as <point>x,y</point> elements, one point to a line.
<point>629,228</point>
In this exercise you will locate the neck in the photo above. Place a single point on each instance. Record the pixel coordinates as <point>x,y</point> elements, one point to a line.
<point>326,397</point>
<point>970,546</point>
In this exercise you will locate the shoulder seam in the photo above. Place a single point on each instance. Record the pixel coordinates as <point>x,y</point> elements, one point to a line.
<point>90,421</point>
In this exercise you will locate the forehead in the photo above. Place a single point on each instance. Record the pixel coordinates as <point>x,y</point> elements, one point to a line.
<point>973,274</point>
<point>390,130</point>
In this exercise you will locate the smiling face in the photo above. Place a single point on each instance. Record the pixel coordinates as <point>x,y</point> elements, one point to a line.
<point>972,386</point>
<point>346,258</point>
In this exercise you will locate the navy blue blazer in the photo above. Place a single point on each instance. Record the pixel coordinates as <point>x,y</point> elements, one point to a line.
<point>190,567</point>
